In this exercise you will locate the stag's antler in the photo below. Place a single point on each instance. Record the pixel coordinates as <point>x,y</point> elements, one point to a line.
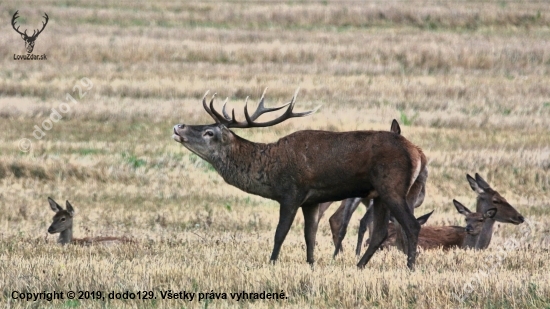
<point>13,23</point>
<point>231,122</point>
<point>43,25</point>
<point>34,33</point>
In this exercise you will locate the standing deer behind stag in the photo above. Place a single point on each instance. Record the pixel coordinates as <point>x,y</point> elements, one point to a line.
<point>309,167</point>
<point>29,40</point>
<point>63,224</point>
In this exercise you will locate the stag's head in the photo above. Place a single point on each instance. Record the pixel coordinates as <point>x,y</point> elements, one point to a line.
<point>210,141</point>
<point>474,220</point>
<point>29,40</point>
<point>63,218</point>
<point>489,198</point>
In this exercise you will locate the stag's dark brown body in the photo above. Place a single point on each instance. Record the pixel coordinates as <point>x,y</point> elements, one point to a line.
<point>320,166</point>
<point>308,167</point>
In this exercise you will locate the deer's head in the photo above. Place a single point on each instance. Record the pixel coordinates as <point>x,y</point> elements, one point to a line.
<point>474,220</point>
<point>29,40</point>
<point>63,218</point>
<point>488,198</point>
<point>210,141</point>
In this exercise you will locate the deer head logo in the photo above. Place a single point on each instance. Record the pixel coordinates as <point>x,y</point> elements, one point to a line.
<point>29,40</point>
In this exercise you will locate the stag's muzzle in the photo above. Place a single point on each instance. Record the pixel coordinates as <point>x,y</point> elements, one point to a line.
<point>176,136</point>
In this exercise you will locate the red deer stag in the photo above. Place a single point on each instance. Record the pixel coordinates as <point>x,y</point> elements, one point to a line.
<point>310,167</point>
<point>63,224</point>
<point>339,221</point>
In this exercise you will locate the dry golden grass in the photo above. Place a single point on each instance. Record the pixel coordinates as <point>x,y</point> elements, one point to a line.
<point>468,83</point>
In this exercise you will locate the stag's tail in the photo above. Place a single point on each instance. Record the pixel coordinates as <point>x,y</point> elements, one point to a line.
<point>417,190</point>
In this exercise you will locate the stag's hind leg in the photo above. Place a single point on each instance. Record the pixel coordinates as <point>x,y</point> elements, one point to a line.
<point>311,222</point>
<point>405,217</point>
<point>381,216</point>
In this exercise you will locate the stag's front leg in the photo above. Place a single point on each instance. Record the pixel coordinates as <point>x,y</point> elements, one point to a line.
<point>286,217</point>
<point>311,222</point>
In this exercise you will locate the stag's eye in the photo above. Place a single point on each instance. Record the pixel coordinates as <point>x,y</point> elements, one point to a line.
<point>62,219</point>
<point>209,133</point>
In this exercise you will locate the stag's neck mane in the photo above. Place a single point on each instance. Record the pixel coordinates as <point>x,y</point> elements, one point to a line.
<point>245,166</point>
<point>66,236</point>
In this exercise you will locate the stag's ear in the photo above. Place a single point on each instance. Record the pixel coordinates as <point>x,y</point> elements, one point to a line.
<point>226,134</point>
<point>395,128</point>
<point>482,183</point>
<point>474,185</point>
<point>490,213</point>
<point>461,208</point>
<point>70,208</point>
<point>423,219</point>
<point>53,205</point>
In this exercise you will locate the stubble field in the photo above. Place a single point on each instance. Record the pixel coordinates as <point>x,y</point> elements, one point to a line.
<point>468,83</point>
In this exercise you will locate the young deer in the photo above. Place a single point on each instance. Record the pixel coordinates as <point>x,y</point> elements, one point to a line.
<point>447,237</point>
<point>488,198</point>
<point>63,224</point>
<point>478,226</point>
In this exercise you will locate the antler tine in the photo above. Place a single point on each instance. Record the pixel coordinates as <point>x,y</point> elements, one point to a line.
<point>219,118</point>
<point>206,106</point>
<point>224,112</point>
<point>261,108</point>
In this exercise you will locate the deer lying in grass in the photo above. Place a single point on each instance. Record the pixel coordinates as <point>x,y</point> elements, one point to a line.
<point>447,237</point>
<point>63,224</point>
<point>479,226</point>
<point>339,221</point>
<point>488,198</point>
<point>309,167</point>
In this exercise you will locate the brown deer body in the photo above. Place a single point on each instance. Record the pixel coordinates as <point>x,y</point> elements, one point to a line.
<point>339,221</point>
<point>63,224</point>
<point>310,167</point>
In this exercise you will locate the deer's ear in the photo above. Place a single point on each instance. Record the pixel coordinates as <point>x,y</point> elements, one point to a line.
<point>69,208</point>
<point>474,184</point>
<point>490,213</point>
<point>423,219</point>
<point>23,36</point>
<point>226,134</point>
<point>461,208</point>
<point>482,183</point>
<point>53,205</point>
<point>395,128</point>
